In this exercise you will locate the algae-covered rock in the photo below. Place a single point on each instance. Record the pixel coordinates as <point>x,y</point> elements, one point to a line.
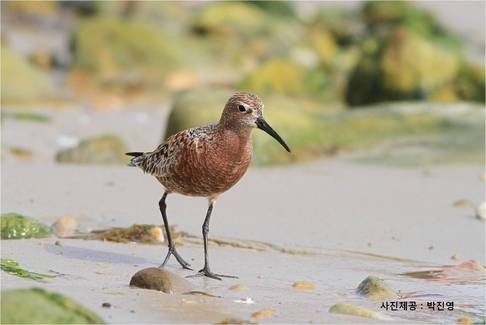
<point>411,63</point>
<point>350,309</point>
<point>470,83</point>
<point>404,67</point>
<point>17,226</point>
<point>230,18</point>
<point>382,17</point>
<point>37,306</point>
<point>324,44</point>
<point>375,288</point>
<point>154,278</point>
<point>22,81</point>
<point>285,77</point>
<point>105,149</point>
<point>126,54</point>
<point>196,108</point>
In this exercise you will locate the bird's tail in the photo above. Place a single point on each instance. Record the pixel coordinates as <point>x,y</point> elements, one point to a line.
<point>137,158</point>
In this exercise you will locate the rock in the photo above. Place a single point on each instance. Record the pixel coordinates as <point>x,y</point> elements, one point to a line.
<point>23,82</point>
<point>128,55</point>
<point>405,66</point>
<point>411,63</point>
<point>375,288</point>
<point>17,226</point>
<point>65,226</point>
<point>154,278</point>
<point>195,108</point>
<point>470,83</point>
<point>285,77</point>
<point>37,306</point>
<point>230,18</point>
<point>349,309</point>
<point>324,44</point>
<point>264,313</point>
<point>464,320</point>
<point>238,287</point>
<point>303,285</point>
<point>105,149</point>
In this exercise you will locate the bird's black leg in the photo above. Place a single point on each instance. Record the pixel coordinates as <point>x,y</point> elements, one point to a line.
<point>205,229</point>
<point>172,250</point>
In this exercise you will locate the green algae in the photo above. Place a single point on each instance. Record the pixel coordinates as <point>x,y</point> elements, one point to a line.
<point>12,267</point>
<point>28,117</point>
<point>35,305</point>
<point>17,226</point>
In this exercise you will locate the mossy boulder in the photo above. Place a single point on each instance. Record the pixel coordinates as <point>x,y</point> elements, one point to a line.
<point>17,226</point>
<point>106,149</point>
<point>37,306</point>
<point>123,54</point>
<point>469,84</point>
<point>195,108</point>
<point>241,35</point>
<point>285,77</point>
<point>382,17</point>
<point>230,18</point>
<point>324,44</point>
<point>404,67</point>
<point>22,81</point>
<point>410,64</point>
<point>375,288</point>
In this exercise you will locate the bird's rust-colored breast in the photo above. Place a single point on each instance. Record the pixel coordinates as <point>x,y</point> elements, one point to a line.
<point>208,164</point>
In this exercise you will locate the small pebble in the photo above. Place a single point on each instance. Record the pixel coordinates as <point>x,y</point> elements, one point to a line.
<point>106,305</point>
<point>464,320</point>
<point>65,226</point>
<point>157,234</point>
<point>264,313</point>
<point>455,257</point>
<point>303,285</point>
<point>238,287</point>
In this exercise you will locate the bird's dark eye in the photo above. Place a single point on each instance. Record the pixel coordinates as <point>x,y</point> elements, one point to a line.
<point>241,108</point>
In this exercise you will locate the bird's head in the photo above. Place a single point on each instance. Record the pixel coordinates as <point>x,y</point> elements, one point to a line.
<point>245,110</point>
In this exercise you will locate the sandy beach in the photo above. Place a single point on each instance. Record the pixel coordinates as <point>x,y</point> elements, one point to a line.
<point>331,222</point>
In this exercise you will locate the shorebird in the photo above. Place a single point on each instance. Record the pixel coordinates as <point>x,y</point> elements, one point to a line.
<point>206,162</point>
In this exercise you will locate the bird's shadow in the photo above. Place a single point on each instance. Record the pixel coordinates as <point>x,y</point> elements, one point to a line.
<point>92,255</point>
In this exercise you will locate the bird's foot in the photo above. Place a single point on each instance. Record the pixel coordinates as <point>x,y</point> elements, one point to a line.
<point>207,272</point>
<point>172,251</point>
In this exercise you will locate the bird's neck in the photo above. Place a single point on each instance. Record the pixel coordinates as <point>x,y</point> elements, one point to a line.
<point>243,132</point>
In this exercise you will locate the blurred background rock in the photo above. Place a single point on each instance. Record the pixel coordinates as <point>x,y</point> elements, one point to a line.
<point>314,64</point>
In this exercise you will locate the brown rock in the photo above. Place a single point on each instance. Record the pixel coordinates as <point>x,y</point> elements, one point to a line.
<point>154,278</point>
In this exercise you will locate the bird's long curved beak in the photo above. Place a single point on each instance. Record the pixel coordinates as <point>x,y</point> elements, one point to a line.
<point>263,125</point>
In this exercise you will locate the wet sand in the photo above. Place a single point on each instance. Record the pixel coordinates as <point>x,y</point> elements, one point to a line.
<point>356,220</point>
